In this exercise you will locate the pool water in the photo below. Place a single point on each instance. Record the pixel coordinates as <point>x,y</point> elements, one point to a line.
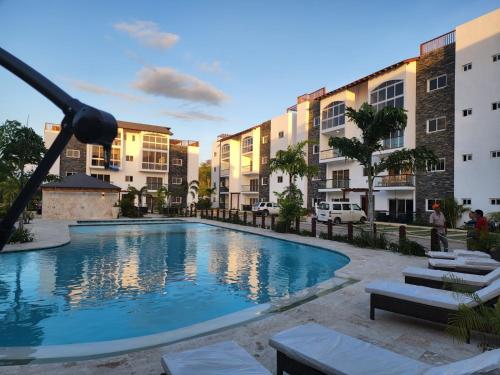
<point>124,281</point>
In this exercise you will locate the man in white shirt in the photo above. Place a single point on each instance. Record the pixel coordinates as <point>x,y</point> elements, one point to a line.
<point>438,221</point>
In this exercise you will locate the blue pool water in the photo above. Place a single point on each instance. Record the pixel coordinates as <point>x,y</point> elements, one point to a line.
<point>123,281</point>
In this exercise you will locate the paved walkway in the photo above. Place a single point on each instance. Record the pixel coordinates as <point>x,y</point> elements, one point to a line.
<point>345,310</point>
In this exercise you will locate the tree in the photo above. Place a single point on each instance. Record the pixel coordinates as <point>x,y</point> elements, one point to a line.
<point>376,126</point>
<point>161,195</point>
<point>205,175</point>
<point>291,161</point>
<point>139,193</point>
<point>193,188</point>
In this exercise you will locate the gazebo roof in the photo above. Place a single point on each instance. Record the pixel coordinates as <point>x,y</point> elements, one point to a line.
<point>81,181</point>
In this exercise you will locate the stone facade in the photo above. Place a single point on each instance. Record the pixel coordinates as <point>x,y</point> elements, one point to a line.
<point>431,105</point>
<point>73,164</point>
<point>313,159</point>
<point>178,151</point>
<point>265,150</point>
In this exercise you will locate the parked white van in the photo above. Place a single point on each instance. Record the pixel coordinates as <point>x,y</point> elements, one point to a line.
<point>266,208</point>
<point>340,212</point>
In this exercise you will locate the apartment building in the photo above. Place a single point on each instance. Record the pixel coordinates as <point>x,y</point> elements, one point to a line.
<point>141,155</point>
<point>451,94</point>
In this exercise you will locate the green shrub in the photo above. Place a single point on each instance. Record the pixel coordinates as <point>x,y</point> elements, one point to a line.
<point>127,206</point>
<point>407,247</point>
<point>204,204</point>
<point>305,232</point>
<point>281,227</point>
<point>21,236</point>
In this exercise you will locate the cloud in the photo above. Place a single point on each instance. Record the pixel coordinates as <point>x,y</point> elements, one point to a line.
<point>211,67</point>
<point>148,33</point>
<point>168,82</point>
<point>99,90</point>
<point>193,116</point>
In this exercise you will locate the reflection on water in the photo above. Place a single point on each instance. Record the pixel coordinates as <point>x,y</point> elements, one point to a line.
<point>125,281</point>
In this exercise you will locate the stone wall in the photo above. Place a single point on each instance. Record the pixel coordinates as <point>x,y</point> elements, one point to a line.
<point>78,205</point>
<point>313,159</point>
<point>178,152</point>
<point>429,105</point>
<point>76,165</point>
<point>265,150</point>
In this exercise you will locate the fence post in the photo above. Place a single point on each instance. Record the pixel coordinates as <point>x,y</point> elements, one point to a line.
<point>272,221</point>
<point>190,211</point>
<point>223,214</point>
<point>402,233</point>
<point>374,230</point>
<point>350,231</point>
<point>263,221</point>
<point>245,217</point>
<point>435,240</point>
<point>297,224</point>
<point>217,212</point>
<point>254,219</point>
<point>329,233</point>
<point>211,213</point>
<point>313,227</point>
<point>195,212</point>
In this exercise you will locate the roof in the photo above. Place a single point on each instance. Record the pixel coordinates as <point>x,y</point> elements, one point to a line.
<point>368,77</point>
<point>80,181</point>
<point>241,132</point>
<point>144,127</point>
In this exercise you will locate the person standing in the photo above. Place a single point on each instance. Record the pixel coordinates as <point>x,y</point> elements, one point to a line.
<point>438,221</point>
<point>481,225</point>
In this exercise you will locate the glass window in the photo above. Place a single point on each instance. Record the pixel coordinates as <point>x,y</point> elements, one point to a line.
<point>436,83</point>
<point>154,183</point>
<point>430,203</point>
<point>356,207</point>
<point>281,134</point>
<point>336,207</point>
<point>154,154</point>
<point>72,153</point>
<point>247,145</point>
<point>333,115</point>
<point>280,179</point>
<point>436,124</point>
<point>437,167</point>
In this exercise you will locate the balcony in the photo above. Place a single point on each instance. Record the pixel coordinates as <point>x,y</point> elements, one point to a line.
<point>332,185</point>
<point>395,182</point>
<point>223,189</point>
<point>253,189</point>
<point>329,154</point>
<point>248,169</point>
<point>224,172</point>
<point>225,155</point>
<point>154,186</point>
<point>392,143</point>
<point>436,43</point>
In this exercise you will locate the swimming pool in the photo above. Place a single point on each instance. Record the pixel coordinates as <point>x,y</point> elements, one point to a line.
<point>123,281</point>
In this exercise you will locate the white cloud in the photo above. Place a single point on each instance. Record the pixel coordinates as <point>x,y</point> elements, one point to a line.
<point>99,90</point>
<point>193,116</point>
<point>211,67</point>
<point>168,82</point>
<point>148,33</point>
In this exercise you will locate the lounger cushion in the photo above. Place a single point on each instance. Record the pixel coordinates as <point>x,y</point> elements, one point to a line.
<point>437,275</point>
<point>441,255</point>
<point>460,263</point>
<point>485,363</point>
<point>458,254</point>
<point>332,352</point>
<point>420,294</point>
<point>224,358</point>
<point>481,262</point>
<point>490,292</point>
<point>471,253</point>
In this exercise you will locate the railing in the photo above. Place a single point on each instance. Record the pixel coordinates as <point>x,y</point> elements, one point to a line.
<point>438,42</point>
<point>185,143</point>
<point>247,169</point>
<point>247,149</point>
<point>154,166</point>
<point>396,142</point>
<point>225,155</point>
<point>249,188</point>
<point>312,95</point>
<point>397,180</point>
<point>333,184</point>
<point>154,185</point>
<point>329,154</point>
<point>223,189</point>
<point>224,172</point>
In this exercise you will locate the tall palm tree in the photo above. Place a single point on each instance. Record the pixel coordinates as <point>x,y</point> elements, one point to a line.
<point>139,193</point>
<point>375,127</point>
<point>193,188</point>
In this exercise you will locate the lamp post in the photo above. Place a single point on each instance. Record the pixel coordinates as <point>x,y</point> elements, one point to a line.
<point>88,124</point>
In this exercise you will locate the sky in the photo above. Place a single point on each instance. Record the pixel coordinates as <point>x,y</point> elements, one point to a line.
<point>204,68</point>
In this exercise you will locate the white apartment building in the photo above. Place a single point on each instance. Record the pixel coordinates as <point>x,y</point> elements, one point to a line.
<point>142,155</point>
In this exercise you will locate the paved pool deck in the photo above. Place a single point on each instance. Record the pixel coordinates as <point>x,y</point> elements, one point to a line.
<point>346,310</point>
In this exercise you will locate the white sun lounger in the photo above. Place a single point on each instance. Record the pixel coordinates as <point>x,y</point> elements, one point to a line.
<point>467,265</point>
<point>224,358</point>
<point>437,278</point>
<point>314,349</point>
<point>457,254</point>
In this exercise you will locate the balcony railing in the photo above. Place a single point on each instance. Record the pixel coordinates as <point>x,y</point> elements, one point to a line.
<point>438,42</point>
<point>329,154</point>
<point>395,181</point>
<point>333,184</point>
<point>223,189</point>
<point>248,169</point>
<point>225,155</point>
<point>154,185</point>
<point>247,149</point>
<point>249,188</point>
<point>395,142</point>
<point>224,172</point>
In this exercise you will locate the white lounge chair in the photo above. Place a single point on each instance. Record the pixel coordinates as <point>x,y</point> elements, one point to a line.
<point>314,349</point>
<point>431,304</point>
<point>480,266</point>
<point>457,254</point>
<point>224,358</point>
<point>438,279</point>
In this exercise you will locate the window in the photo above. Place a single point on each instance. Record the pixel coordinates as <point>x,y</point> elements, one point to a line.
<point>496,57</point>
<point>177,200</point>
<point>177,162</point>
<point>176,180</point>
<point>154,183</point>
<point>333,115</point>
<point>316,121</point>
<point>281,134</point>
<point>72,153</point>
<point>264,160</point>
<point>495,106</point>
<point>466,201</point>
<point>438,167</point>
<point>395,140</point>
<point>102,177</point>
<point>467,112</point>
<point>154,153</point>
<point>430,202</point>
<point>215,169</point>
<point>226,151</point>
<point>70,173</point>
<point>436,83</point>
<point>280,179</point>
<point>264,181</point>
<point>265,139</point>
<point>436,124</point>
<point>467,67</point>
<point>247,145</point>
<point>133,138</point>
<point>215,154</point>
<point>495,201</point>
<point>129,158</point>
<point>495,154</point>
<point>466,157</point>
<point>315,149</point>
<point>253,201</point>
<point>388,94</point>
<point>129,178</point>
<point>98,154</point>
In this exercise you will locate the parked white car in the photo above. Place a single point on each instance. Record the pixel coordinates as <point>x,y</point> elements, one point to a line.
<point>266,208</point>
<point>340,212</point>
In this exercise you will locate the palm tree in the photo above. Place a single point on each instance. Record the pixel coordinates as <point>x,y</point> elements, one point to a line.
<point>139,193</point>
<point>161,194</point>
<point>375,127</point>
<point>208,192</point>
<point>193,188</point>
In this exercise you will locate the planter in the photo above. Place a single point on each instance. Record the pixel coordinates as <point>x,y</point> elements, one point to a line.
<point>115,211</point>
